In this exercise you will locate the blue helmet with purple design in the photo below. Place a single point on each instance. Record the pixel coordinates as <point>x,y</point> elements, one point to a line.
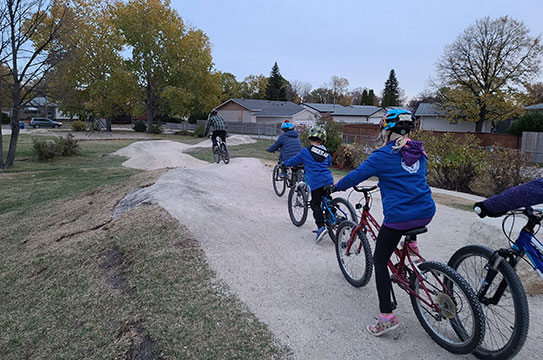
<point>399,121</point>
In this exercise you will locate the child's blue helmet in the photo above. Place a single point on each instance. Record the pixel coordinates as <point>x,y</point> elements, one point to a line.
<point>287,125</point>
<point>399,121</point>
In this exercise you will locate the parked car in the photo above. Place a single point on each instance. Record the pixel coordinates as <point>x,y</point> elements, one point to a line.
<point>44,122</point>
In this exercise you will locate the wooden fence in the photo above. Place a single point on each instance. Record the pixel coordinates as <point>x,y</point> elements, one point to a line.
<point>367,133</point>
<point>532,145</point>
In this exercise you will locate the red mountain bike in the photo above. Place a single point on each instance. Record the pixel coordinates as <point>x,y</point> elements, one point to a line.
<point>444,303</point>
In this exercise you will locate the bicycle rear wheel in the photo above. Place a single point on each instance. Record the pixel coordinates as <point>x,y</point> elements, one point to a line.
<point>278,183</point>
<point>357,263</point>
<point>458,310</point>
<point>224,153</point>
<point>507,321</point>
<point>342,210</point>
<point>216,154</point>
<point>297,204</point>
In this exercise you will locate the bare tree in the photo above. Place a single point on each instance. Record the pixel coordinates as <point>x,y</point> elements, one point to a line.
<point>486,64</point>
<point>30,28</point>
<point>339,86</point>
<point>535,93</point>
<point>301,89</point>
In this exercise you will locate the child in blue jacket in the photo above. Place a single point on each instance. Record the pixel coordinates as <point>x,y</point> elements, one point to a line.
<point>400,166</point>
<point>289,143</point>
<point>316,160</point>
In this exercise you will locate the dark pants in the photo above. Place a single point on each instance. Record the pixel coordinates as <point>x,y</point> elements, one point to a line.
<point>387,241</point>
<point>219,133</point>
<point>316,199</point>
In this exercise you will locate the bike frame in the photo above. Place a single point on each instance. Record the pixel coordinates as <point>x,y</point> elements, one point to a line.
<point>405,264</point>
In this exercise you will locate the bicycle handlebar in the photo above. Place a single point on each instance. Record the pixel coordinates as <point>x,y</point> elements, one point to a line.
<point>364,189</point>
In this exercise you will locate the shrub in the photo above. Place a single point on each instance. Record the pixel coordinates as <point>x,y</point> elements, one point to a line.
<point>44,150</point>
<point>157,129</point>
<point>349,156</point>
<point>47,150</point>
<point>334,133</point>
<point>139,126</point>
<point>197,115</point>
<point>454,163</point>
<point>200,132</point>
<point>528,122</point>
<point>67,146</point>
<point>302,133</point>
<point>5,119</point>
<point>78,125</point>
<point>506,168</point>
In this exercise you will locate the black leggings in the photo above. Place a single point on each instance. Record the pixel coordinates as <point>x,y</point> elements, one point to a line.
<point>387,241</point>
<point>316,199</point>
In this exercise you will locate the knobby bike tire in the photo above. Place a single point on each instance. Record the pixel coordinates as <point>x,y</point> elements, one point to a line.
<point>279,185</point>
<point>216,155</point>
<point>335,204</point>
<point>357,266</point>
<point>298,204</point>
<point>224,153</point>
<point>512,310</point>
<point>459,308</point>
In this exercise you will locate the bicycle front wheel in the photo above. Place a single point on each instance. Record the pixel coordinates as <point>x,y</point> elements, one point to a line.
<point>297,204</point>
<point>452,308</point>
<point>354,259</point>
<point>507,318</point>
<point>278,182</point>
<point>224,153</point>
<point>341,210</point>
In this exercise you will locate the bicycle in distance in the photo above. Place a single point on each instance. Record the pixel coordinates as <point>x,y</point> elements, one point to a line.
<point>285,177</point>
<point>492,273</point>
<point>443,302</point>
<point>220,152</point>
<point>335,210</point>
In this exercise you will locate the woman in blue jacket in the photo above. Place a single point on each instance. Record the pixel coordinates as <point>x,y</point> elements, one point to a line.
<point>400,166</point>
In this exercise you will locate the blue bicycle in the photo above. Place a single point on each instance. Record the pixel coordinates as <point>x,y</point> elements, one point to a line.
<point>335,210</point>
<point>492,274</point>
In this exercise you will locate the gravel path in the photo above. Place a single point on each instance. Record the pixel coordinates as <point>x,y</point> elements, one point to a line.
<point>294,285</point>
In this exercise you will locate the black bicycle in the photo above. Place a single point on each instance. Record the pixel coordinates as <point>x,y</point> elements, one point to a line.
<point>492,274</point>
<point>292,176</point>
<point>335,210</point>
<point>220,152</point>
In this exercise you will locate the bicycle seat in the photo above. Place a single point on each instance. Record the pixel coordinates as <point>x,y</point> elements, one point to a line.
<point>416,231</point>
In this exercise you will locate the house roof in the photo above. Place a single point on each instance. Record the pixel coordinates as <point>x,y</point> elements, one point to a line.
<point>267,108</point>
<point>39,101</point>
<point>534,107</point>
<point>428,109</point>
<point>340,110</point>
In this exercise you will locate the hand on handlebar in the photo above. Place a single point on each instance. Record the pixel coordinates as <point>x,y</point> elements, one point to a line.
<point>480,209</point>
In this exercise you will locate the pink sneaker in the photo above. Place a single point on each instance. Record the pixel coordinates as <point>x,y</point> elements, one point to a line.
<point>382,326</point>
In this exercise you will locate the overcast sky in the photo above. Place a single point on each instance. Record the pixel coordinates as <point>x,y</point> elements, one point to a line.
<point>311,40</point>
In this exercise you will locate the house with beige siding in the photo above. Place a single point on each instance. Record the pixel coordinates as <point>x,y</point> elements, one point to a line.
<point>352,114</point>
<point>432,118</point>
<point>265,112</point>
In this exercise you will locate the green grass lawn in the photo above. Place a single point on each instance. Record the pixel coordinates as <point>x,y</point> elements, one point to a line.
<point>29,183</point>
<point>77,284</point>
<point>257,150</point>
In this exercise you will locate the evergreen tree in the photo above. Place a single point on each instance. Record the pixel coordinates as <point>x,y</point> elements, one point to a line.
<point>391,93</point>
<point>364,97</point>
<point>371,97</point>
<point>276,89</point>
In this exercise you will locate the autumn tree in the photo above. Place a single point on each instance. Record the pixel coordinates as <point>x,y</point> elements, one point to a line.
<point>392,92</point>
<point>321,95</point>
<point>92,80</point>
<point>172,61</point>
<point>535,93</point>
<point>485,66</point>
<point>300,89</point>
<point>230,87</point>
<point>29,29</point>
<point>276,89</point>
<point>254,87</point>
